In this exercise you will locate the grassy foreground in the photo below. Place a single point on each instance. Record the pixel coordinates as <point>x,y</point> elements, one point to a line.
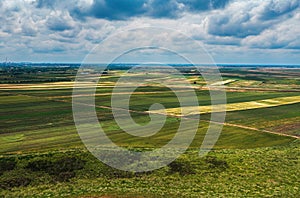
<point>260,172</point>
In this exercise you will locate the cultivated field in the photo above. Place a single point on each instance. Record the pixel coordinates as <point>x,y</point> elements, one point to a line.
<point>256,155</point>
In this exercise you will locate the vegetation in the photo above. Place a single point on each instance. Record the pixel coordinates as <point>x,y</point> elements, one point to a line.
<point>41,154</point>
<point>259,172</point>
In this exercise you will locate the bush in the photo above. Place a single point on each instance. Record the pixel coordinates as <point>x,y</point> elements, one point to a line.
<point>62,168</point>
<point>99,169</point>
<point>7,164</point>
<point>216,163</point>
<point>65,176</point>
<point>182,167</point>
<point>15,178</point>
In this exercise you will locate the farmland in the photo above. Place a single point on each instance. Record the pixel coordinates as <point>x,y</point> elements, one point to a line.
<point>257,153</point>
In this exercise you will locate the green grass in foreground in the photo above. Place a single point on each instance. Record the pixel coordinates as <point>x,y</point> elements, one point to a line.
<point>260,172</point>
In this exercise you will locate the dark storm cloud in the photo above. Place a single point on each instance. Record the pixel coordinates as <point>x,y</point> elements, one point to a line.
<point>163,9</point>
<point>202,5</point>
<point>239,26</point>
<point>125,9</point>
<point>116,9</point>
<point>110,9</point>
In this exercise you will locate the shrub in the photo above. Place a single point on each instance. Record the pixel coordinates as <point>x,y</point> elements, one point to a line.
<point>216,163</point>
<point>15,178</point>
<point>62,168</point>
<point>7,164</point>
<point>182,167</point>
<point>65,176</point>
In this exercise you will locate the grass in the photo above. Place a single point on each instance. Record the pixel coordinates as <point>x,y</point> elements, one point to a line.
<point>263,172</point>
<point>273,118</point>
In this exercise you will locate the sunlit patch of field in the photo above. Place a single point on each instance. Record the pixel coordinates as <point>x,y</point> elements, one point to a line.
<point>260,84</point>
<point>196,80</point>
<point>229,107</point>
<point>54,85</point>
<point>245,83</point>
<point>225,82</point>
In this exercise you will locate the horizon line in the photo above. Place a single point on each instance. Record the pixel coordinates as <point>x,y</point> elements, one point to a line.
<point>136,63</point>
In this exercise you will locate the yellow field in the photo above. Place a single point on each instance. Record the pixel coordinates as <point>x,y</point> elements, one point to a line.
<point>225,82</point>
<point>52,85</point>
<point>229,107</point>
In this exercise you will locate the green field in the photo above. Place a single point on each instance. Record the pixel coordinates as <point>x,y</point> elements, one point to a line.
<point>256,155</point>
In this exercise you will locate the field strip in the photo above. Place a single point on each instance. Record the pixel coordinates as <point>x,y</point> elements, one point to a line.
<point>117,93</point>
<point>225,82</point>
<point>243,89</point>
<point>254,129</point>
<point>193,110</point>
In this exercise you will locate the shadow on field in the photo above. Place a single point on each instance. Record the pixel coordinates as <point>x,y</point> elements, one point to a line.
<point>36,169</point>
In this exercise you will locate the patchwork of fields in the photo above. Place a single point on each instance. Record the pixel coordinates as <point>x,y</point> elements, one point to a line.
<point>262,116</point>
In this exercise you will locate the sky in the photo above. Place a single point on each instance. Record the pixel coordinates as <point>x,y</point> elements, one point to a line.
<point>231,31</point>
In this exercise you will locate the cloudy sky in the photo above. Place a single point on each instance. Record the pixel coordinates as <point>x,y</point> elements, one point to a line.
<point>232,31</point>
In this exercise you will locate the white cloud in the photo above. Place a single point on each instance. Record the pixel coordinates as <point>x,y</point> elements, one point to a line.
<point>282,35</point>
<point>37,29</point>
